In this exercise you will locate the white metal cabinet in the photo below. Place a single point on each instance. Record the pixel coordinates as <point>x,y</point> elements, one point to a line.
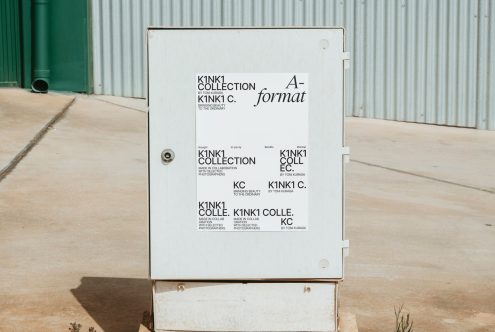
<point>179,249</point>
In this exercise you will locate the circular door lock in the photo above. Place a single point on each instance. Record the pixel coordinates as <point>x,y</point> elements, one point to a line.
<point>167,156</point>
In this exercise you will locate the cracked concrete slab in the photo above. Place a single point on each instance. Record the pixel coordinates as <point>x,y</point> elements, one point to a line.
<point>73,232</point>
<point>416,239</point>
<point>421,243</point>
<point>460,155</point>
<point>74,242</point>
<point>22,116</point>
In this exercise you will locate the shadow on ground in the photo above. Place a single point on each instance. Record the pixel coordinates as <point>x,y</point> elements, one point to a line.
<point>116,304</point>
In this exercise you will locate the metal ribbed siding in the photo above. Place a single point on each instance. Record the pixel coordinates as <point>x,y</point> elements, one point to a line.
<point>417,60</point>
<point>10,61</point>
<point>424,61</point>
<point>486,66</point>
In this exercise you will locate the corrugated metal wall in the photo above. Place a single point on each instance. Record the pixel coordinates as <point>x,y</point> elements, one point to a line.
<point>10,38</point>
<point>412,60</point>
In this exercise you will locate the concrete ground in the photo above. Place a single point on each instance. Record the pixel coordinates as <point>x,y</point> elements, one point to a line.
<point>73,226</point>
<point>22,116</point>
<point>421,224</point>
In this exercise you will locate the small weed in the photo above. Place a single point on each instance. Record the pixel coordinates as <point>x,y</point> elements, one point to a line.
<point>403,322</point>
<point>75,327</point>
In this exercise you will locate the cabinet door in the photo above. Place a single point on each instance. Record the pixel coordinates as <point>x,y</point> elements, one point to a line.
<point>245,153</point>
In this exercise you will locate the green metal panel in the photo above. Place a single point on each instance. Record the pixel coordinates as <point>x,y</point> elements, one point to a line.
<point>10,40</point>
<point>26,42</point>
<point>69,40</point>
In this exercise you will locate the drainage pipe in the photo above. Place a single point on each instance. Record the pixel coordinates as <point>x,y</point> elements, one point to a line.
<point>41,69</point>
